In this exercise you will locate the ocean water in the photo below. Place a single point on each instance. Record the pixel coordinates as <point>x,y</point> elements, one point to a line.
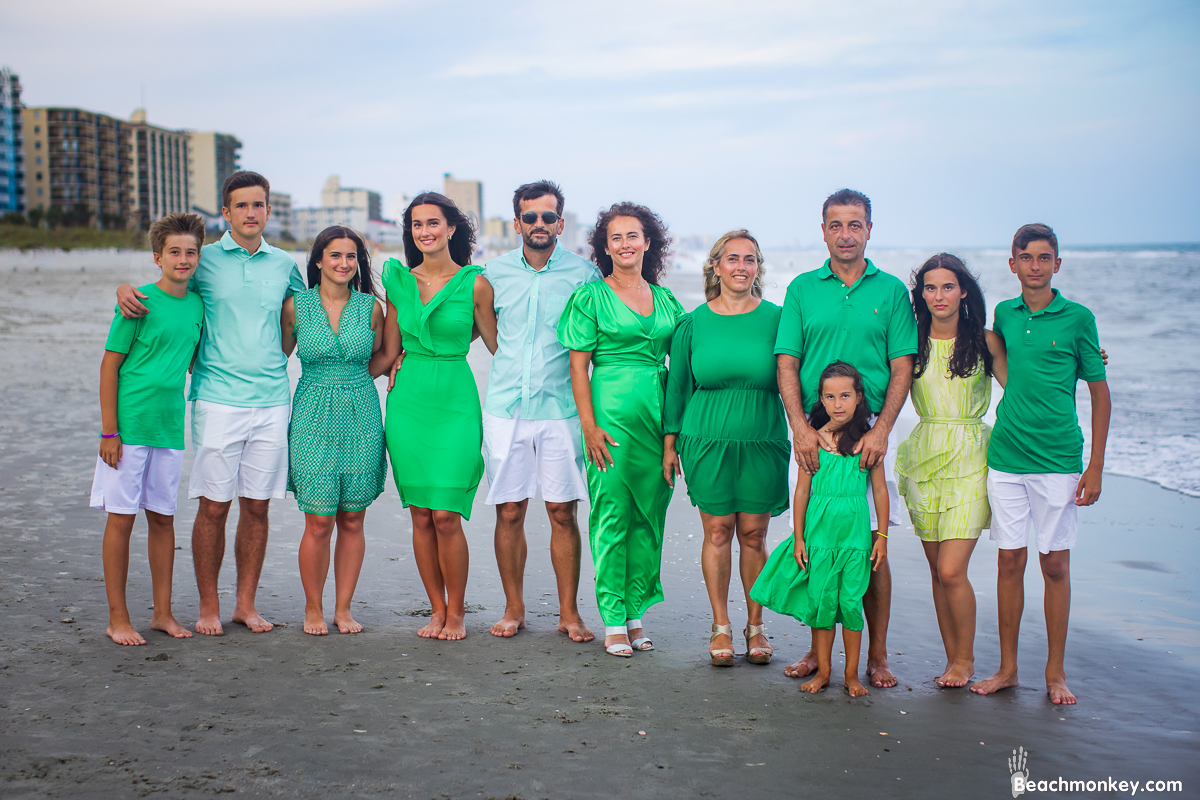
<point>1147,306</point>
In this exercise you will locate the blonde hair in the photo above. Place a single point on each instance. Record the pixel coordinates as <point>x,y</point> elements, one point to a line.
<point>712,284</point>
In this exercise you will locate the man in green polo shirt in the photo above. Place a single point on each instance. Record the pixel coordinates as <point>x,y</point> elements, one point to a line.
<point>1035,458</point>
<point>850,311</point>
<point>241,400</point>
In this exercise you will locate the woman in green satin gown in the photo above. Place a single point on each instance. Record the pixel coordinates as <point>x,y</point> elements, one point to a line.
<point>621,327</point>
<point>434,427</point>
<point>725,418</point>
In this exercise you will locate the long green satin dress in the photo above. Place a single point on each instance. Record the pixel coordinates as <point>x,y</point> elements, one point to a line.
<point>723,402</point>
<point>837,534</point>
<point>434,425</point>
<point>629,500</point>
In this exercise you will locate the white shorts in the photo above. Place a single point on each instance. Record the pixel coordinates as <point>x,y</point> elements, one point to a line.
<point>1045,499</point>
<point>145,477</point>
<point>240,452</point>
<point>895,517</point>
<point>523,455</point>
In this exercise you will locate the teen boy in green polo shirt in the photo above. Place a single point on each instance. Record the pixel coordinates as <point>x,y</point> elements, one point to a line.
<point>1035,457</point>
<point>142,411</point>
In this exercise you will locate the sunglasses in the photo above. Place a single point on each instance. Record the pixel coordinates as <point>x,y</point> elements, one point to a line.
<point>548,217</point>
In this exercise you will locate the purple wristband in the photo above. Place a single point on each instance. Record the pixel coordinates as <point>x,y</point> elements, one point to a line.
<point>109,435</point>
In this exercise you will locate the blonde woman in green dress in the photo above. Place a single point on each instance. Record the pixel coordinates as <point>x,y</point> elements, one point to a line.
<point>941,468</point>
<point>621,327</point>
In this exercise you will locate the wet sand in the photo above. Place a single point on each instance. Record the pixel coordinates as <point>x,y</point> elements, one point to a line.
<point>387,713</point>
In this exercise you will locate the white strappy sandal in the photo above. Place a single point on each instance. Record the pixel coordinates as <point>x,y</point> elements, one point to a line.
<point>642,642</point>
<point>721,657</point>
<point>620,649</point>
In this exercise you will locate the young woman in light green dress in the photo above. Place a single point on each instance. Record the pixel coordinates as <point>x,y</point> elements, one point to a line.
<point>941,469</point>
<point>434,426</point>
<point>335,439</point>
<point>726,432</point>
<point>621,327</point>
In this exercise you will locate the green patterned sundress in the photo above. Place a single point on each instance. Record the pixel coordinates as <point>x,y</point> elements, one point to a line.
<point>336,456</point>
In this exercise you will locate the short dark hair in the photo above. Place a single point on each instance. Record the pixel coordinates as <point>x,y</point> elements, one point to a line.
<point>362,279</point>
<point>1034,232</point>
<point>654,263</point>
<point>175,225</point>
<point>532,191</point>
<point>243,179</point>
<point>847,197</point>
<point>462,243</point>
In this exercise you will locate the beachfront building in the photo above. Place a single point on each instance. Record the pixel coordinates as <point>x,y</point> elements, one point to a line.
<point>12,155</point>
<point>358,209</point>
<point>160,161</point>
<point>280,223</point>
<point>212,157</point>
<point>78,169</point>
<point>468,196</point>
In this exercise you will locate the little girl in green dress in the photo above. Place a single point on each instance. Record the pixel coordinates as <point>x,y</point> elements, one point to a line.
<point>820,574</point>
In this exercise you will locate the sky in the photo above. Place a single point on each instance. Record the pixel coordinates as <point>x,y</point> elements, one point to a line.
<point>961,120</point>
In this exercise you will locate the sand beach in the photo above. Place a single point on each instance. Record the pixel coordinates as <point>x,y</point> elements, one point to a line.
<point>385,713</point>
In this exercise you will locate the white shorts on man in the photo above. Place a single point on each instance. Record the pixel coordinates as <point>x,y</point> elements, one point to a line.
<point>525,455</point>
<point>1045,500</point>
<point>240,452</point>
<point>145,477</point>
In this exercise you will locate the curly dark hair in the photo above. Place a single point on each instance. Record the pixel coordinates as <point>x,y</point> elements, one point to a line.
<point>362,279</point>
<point>655,230</point>
<point>970,343</point>
<point>857,427</point>
<point>462,243</point>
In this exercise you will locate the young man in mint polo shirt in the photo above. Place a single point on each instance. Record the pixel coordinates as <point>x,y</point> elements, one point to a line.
<point>531,435</point>
<point>850,311</point>
<point>142,411</point>
<point>241,401</point>
<point>1035,457</point>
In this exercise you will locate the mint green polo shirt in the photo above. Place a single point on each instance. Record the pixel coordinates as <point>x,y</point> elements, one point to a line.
<point>158,350</point>
<point>241,361</point>
<point>1049,351</point>
<point>866,324</point>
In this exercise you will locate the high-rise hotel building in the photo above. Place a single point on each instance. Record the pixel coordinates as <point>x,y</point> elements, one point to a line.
<point>160,159</point>
<point>12,156</point>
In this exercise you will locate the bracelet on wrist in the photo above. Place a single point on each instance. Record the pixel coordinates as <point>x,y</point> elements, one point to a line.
<point>110,435</point>
<point>884,535</point>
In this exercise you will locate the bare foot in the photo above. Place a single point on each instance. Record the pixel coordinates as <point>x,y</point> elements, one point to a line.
<point>1060,695</point>
<point>314,622</point>
<point>881,675</point>
<point>123,633</point>
<point>508,625</point>
<point>995,683</point>
<point>454,629</point>
<point>575,629</point>
<point>854,686</point>
<point>252,620</point>
<point>346,623</point>
<point>956,675</point>
<point>209,625</point>
<point>815,685</point>
<point>434,628</point>
<point>802,667</point>
<point>170,626</point>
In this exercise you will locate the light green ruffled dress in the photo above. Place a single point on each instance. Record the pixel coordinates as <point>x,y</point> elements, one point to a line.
<point>941,468</point>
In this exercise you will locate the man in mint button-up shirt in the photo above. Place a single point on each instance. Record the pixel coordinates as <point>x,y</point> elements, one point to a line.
<point>531,436</point>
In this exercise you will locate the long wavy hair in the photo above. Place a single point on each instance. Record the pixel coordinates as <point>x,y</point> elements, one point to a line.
<point>712,284</point>
<point>362,279</point>
<point>462,243</point>
<point>858,425</point>
<point>654,263</point>
<point>970,343</point>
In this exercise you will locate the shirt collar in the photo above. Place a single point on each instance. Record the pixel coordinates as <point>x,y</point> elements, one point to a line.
<point>554,256</point>
<point>228,243</point>
<point>827,272</point>
<point>1057,304</point>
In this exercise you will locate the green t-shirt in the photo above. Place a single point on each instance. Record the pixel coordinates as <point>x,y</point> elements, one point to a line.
<point>159,348</point>
<point>866,325</point>
<point>1037,428</point>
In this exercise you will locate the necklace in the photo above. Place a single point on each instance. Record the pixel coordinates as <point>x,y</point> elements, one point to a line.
<point>620,282</point>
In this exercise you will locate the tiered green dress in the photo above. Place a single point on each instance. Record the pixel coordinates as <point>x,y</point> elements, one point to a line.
<point>723,402</point>
<point>629,500</point>
<point>941,468</point>
<point>837,534</point>
<point>434,424</point>
<point>335,439</point>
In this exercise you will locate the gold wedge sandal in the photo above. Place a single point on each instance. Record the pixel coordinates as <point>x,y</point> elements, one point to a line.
<point>722,657</point>
<point>757,655</point>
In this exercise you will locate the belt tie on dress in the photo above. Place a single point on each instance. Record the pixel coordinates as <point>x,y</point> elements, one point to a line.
<point>423,357</point>
<point>952,421</point>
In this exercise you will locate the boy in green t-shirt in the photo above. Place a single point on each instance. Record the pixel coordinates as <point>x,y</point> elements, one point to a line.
<point>142,410</point>
<point>1035,457</point>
